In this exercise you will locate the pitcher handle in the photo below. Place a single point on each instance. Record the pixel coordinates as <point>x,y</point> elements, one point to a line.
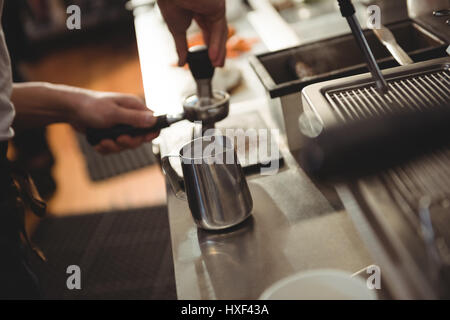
<point>176,182</point>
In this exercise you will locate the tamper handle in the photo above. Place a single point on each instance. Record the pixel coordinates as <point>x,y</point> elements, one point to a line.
<point>199,63</point>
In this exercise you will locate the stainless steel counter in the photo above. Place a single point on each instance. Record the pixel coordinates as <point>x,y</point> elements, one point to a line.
<point>293,226</point>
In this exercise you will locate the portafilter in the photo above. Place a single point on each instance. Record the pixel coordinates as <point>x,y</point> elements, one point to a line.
<point>207,105</point>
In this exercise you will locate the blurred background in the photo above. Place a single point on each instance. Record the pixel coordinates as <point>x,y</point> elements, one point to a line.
<point>101,56</point>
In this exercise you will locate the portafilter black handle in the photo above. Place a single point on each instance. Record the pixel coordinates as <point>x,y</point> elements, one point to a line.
<point>95,136</point>
<point>200,63</point>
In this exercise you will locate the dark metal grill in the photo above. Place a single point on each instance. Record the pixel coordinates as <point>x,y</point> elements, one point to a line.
<point>415,92</point>
<point>429,176</point>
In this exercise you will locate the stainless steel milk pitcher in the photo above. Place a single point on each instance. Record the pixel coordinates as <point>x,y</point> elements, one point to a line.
<point>214,183</point>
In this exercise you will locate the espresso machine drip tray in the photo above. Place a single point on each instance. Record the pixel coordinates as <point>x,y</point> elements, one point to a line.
<point>416,92</point>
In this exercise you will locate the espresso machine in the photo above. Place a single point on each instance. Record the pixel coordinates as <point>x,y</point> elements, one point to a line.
<point>421,10</point>
<point>400,204</point>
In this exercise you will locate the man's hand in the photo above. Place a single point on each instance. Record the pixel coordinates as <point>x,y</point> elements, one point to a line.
<point>104,110</point>
<point>39,104</point>
<point>210,16</point>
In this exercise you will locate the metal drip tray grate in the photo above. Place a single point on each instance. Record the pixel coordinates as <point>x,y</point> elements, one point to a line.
<point>428,176</point>
<point>416,92</point>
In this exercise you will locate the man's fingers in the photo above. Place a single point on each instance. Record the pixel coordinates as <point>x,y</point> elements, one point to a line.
<point>223,49</point>
<point>220,61</point>
<point>204,26</point>
<point>108,146</point>
<point>131,102</point>
<point>217,42</point>
<point>178,20</point>
<point>135,118</point>
<point>100,149</point>
<point>151,136</point>
<point>182,47</point>
<point>123,142</point>
<point>128,142</point>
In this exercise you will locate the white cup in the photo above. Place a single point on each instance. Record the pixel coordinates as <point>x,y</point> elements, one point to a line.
<point>320,285</point>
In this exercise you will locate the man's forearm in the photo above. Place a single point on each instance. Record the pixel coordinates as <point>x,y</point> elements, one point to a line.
<point>38,103</point>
